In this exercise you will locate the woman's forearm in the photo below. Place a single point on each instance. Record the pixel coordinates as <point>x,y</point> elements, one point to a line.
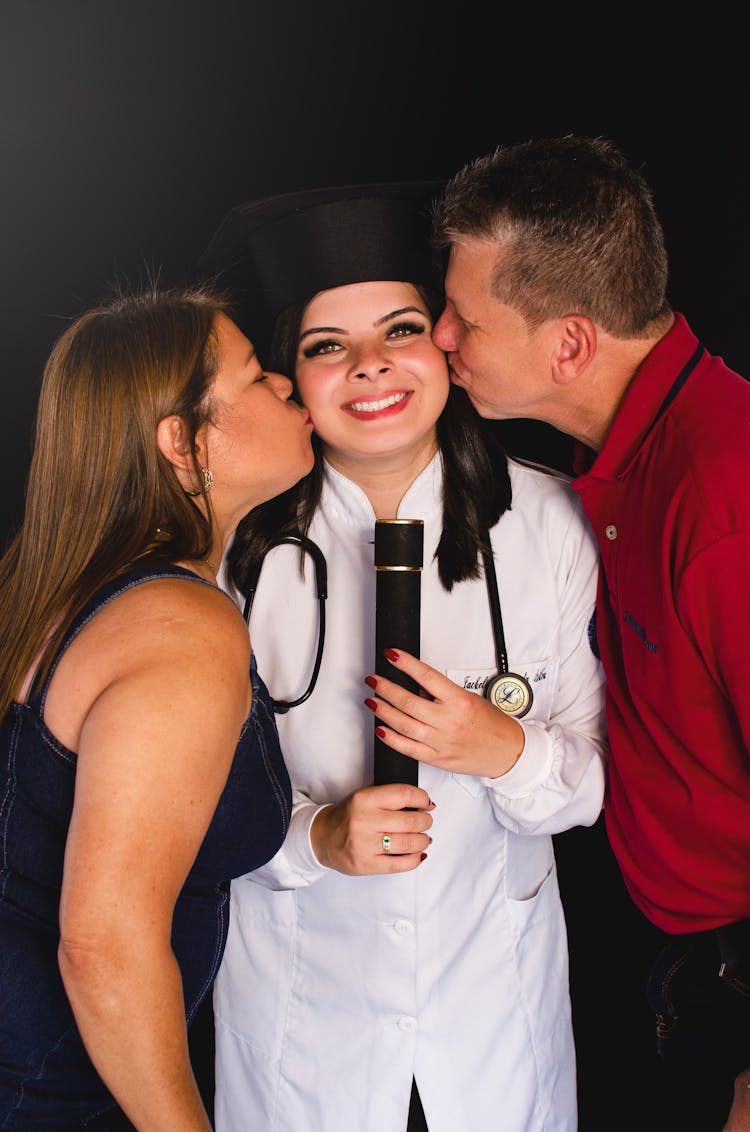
<point>128,1003</point>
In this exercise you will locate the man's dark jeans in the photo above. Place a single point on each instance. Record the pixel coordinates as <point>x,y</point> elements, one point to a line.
<point>699,990</point>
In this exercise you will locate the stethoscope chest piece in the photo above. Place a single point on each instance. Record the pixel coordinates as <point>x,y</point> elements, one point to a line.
<point>510,692</point>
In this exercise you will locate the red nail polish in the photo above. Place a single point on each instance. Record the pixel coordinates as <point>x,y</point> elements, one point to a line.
<point>371,704</point>
<point>423,857</point>
<point>380,732</point>
<point>390,654</point>
<point>371,682</point>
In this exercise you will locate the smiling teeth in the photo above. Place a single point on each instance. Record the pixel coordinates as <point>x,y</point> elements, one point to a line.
<point>375,406</point>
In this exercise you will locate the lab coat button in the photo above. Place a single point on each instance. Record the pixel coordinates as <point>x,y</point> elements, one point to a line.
<point>404,927</point>
<point>407,1024</point>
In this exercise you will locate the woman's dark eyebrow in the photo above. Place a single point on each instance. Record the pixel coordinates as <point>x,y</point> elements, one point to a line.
<point>322,330</point>
<point>398,313</point>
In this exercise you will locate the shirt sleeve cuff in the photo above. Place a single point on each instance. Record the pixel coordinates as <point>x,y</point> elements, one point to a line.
<point>532,767</point>
<point>299,834</point>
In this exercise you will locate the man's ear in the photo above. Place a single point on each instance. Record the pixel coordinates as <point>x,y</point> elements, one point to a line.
<point>575,348</point>
<point>173,443</point>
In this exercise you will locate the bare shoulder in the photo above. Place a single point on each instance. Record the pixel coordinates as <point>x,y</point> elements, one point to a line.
<point>165,634</point>
<point>165,614</point>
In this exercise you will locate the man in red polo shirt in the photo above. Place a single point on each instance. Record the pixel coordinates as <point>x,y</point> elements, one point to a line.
<point>556,310</point>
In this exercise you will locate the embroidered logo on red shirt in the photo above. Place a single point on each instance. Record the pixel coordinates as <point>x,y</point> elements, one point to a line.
<point>631,621</point>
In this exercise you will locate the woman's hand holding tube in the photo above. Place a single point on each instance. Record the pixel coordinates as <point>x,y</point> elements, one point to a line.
<point>378,829</point>
<point>449,728</point>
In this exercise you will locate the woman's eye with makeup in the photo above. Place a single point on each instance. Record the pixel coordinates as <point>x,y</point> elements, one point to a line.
<point>324,346</point>
<point>406,329</point>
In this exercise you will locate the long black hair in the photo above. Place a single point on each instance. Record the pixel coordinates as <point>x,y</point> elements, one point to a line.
<point>476,483</point>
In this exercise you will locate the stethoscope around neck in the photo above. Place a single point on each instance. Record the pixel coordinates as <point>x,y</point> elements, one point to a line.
<point>508,691</point>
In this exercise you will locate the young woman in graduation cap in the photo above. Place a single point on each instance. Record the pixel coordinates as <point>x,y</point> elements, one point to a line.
<point>401,963</point>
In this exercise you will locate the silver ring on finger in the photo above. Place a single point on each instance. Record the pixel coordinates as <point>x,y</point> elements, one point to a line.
<point>386,843</point>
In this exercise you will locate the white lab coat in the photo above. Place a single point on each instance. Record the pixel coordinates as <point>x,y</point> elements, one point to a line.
<point>335,990</point>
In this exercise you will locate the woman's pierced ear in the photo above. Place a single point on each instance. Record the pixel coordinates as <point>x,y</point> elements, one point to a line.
<point>208,483</point>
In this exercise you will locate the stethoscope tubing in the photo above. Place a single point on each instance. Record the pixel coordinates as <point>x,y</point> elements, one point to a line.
<point>312,549</point>
<point>281,707</point>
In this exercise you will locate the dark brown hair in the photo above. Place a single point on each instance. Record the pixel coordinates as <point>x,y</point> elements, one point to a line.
<point>575,228</point>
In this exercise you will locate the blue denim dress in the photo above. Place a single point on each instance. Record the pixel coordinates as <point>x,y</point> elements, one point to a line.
<point>46,1078</point>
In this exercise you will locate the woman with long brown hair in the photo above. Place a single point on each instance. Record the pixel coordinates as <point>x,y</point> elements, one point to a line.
<point>139,761</point>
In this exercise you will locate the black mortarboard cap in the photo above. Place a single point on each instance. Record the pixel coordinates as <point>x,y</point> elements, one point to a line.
<point>272,252</point>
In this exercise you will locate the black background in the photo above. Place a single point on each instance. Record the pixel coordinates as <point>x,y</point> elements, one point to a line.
<point>128,130</point>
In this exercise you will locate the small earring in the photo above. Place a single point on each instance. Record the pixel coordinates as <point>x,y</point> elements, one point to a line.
<point>208,483</point>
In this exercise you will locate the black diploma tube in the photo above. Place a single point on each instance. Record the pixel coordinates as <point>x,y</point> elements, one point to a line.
<point>399,549</point>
